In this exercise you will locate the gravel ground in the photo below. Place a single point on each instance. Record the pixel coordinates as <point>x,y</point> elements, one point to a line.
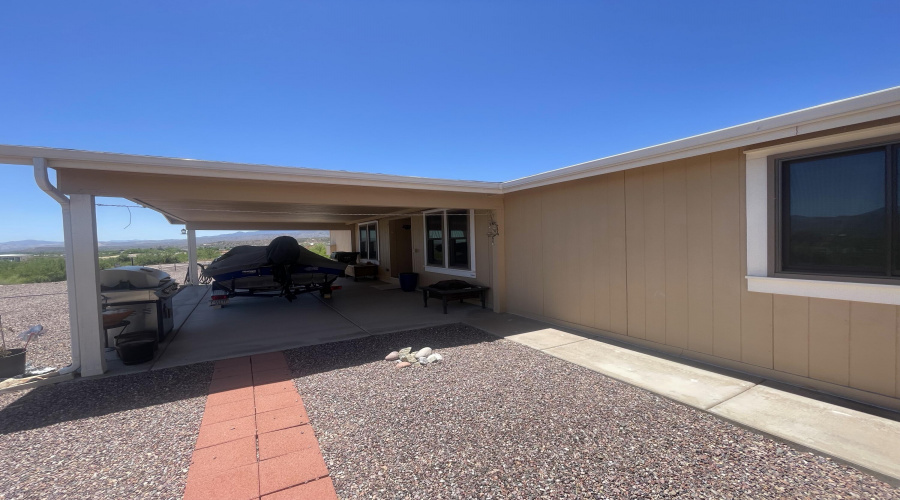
<point>499,420</point>
<point>123,437</point>
<point>47,304</point>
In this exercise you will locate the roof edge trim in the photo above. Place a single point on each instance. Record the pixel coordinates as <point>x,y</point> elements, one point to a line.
<point>851,111</point>
<point>119,162</point>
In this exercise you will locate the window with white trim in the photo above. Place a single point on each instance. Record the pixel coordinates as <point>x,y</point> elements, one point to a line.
<point>449,242</point>
<point>368,240</point>
<point>823,217</point>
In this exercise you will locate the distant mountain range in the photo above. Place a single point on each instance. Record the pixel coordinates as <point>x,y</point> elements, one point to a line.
<point>230,239</point>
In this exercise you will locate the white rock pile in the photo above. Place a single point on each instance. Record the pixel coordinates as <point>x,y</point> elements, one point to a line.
<point>406,357</point>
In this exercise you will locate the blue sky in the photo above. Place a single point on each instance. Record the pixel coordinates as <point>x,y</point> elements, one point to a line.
<point>462,89</point>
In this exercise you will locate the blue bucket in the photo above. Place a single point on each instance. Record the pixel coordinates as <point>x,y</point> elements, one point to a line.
<point>408,281</point>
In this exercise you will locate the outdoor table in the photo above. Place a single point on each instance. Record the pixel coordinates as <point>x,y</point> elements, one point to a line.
<point>362,271</point>
<point>472,292</point>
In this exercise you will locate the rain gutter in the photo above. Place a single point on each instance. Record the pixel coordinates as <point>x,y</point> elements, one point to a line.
<point>42,179</point>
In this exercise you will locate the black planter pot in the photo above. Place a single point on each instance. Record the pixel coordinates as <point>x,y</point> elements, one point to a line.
<point>408,281</point>
<point>12,365</point>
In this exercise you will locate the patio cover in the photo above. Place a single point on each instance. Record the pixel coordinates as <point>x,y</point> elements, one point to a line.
<point>208,195</point>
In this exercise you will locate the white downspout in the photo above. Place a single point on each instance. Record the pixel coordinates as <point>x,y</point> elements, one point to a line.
<point>43,181</point>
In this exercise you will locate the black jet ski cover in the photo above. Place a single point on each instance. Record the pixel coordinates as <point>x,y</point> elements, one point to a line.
<point>281,254</point>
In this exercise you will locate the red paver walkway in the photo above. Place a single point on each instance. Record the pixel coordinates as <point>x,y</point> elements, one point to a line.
<point>255,440</point>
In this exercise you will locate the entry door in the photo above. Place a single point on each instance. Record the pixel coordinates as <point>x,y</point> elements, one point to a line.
<point>401,247</point>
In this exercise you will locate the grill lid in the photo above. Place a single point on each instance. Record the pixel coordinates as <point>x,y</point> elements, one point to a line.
<point>131,277</point>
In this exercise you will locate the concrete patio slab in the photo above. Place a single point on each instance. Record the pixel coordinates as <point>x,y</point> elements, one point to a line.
<point>249,325</point>
<point>505,325</point>
<point>383,311</point>
<point>546,338</point>
<point>684,383</point>
<point>188,299</point>
<point>861,438</point>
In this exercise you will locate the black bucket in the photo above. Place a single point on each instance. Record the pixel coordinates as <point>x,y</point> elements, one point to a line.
<point>133,352</point>
<point>13,364</point>
<point>138,335</point>
<point>408,281</point>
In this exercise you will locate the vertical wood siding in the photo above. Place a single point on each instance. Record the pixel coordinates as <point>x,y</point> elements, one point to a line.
<point>634,253</point>
<point>698,186</point>
<point>676,250</point>
<point>829,340</point>
<point>726,262</point>
<point>618,261</point>
<point>658,253</point>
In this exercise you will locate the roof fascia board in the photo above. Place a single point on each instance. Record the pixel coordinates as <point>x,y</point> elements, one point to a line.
<point>622,162</point>
<point>89,160</point>
<point>869,107</point>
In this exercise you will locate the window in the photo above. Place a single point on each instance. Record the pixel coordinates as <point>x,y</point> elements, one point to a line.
<point>838,213</point>
<point>449,247</point>
<point>837,258</point>
<point>434,237</point>
<point>458,239</point>
<point>368,241</point>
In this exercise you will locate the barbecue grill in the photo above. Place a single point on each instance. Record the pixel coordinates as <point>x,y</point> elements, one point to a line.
<point>146,291</point>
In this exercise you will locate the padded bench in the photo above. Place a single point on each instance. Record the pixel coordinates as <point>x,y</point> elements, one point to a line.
<point>471,292</point>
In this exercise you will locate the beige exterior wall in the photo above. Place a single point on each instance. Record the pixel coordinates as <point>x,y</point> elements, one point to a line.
<point>656,256</point>
<point>341,241</point>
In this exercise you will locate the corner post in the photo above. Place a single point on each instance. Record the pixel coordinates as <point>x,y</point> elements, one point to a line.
<point>192,256</point>
<point>86,270</point>
<point>74,334</point>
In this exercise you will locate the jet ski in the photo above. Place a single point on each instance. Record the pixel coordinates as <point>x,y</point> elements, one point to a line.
<point>282,268</point>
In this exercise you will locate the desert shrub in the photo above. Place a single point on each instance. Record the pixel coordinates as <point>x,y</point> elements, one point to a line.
<point>208,253</point>
<point>34,270</point>
<point>44,269</point>
<point>319,248</point>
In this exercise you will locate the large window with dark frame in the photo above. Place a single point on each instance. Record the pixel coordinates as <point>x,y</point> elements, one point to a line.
<point>448,241</point>
<point>839,213</point>
<point>368,241</point>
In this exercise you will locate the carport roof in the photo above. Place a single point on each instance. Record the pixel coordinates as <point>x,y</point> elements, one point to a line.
<point>223,195</point>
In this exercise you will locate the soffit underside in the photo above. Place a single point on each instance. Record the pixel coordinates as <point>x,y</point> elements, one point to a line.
<point>229,211</point>
<point>190,194</point>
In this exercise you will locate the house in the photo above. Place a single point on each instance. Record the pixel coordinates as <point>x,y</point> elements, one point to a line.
<point>771,248</point>
<point>14,257</point>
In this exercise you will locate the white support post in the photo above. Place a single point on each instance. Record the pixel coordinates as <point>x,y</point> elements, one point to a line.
<point>498,266</point>
<point>70,288</point>
<point>86,269</point>
<point>192,256</point>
